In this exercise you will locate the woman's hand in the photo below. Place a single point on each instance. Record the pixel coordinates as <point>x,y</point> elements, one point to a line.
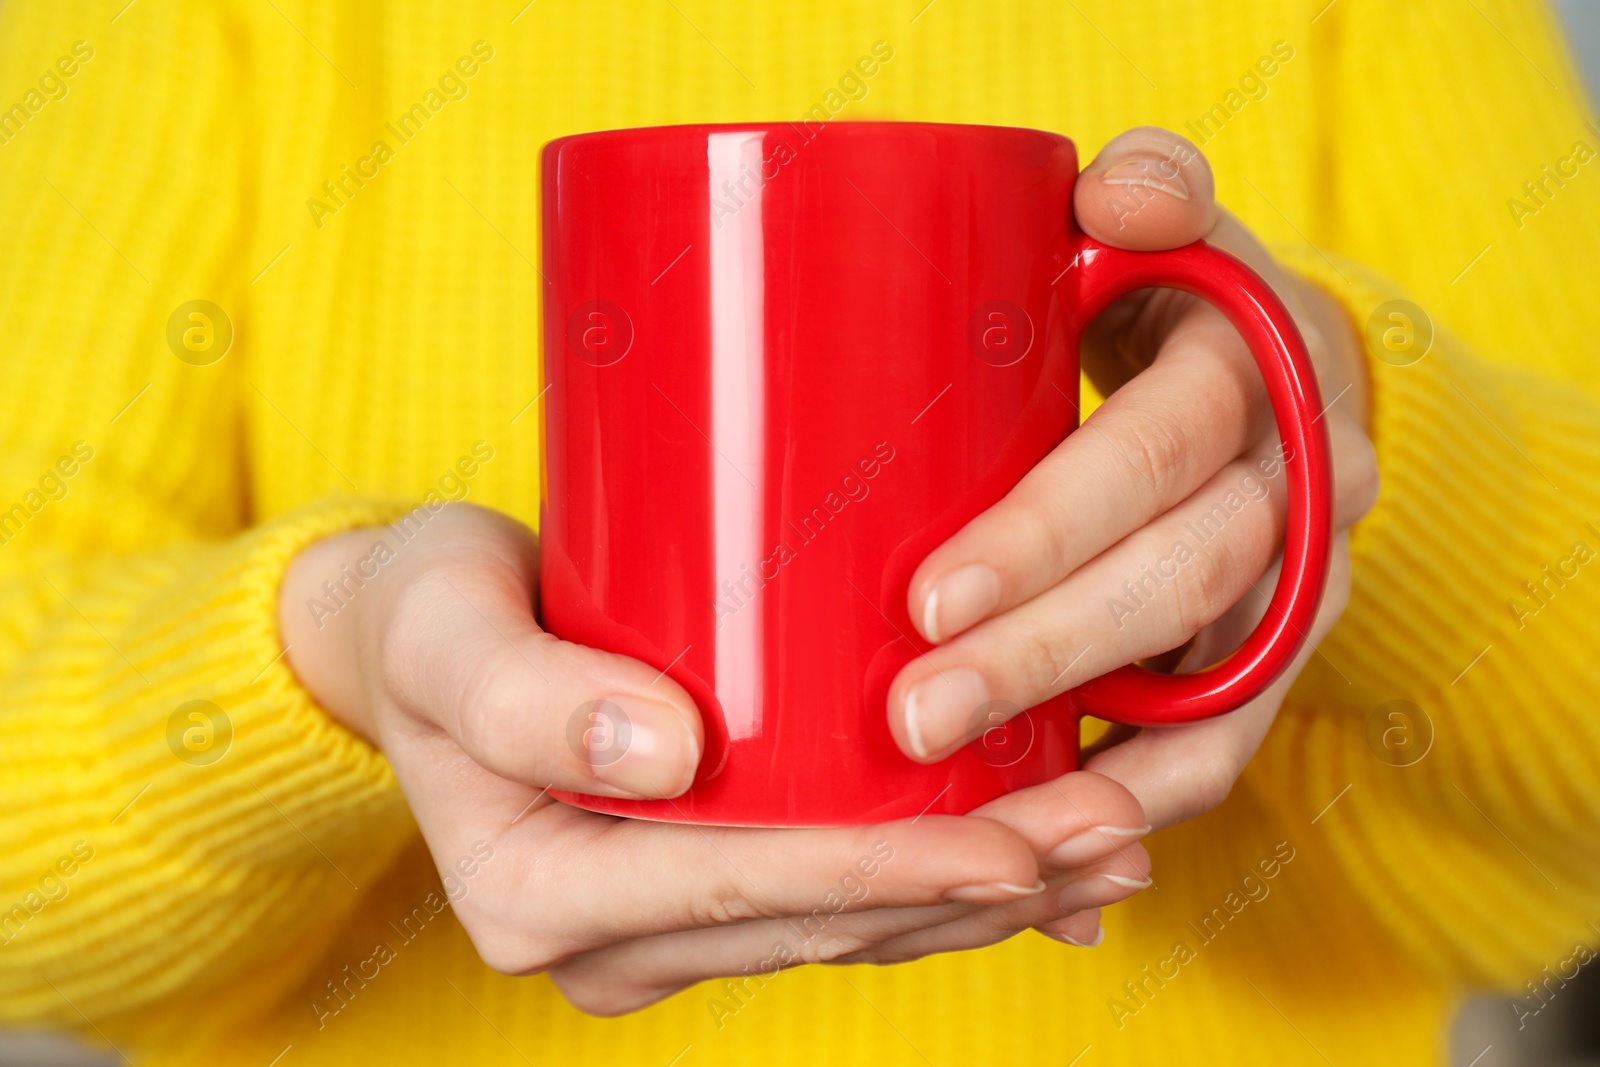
<point>1052,586</point>
<point>439,661</point>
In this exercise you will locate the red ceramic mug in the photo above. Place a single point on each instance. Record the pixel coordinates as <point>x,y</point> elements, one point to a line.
<point>784,363</point>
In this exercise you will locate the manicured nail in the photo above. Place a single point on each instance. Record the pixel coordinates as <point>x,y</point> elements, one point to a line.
<point>964,596</point>
<point>1162,175</point>
<point>993,892</point>
<point>939,710</point>
<point>1093,843</point>
<point>1099,936</point>
<point>641,747</point>
<point>1128,883</point>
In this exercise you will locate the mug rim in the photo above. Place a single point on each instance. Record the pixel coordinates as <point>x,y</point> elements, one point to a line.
<point>776,126</point>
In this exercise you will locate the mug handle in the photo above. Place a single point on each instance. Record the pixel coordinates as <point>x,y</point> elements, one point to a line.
<point>1133,695</point>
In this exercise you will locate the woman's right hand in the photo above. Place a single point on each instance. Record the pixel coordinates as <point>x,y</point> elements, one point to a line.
<point>438,661</point>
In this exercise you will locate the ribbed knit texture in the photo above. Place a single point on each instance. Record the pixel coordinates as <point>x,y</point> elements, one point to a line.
<point>372,351</point>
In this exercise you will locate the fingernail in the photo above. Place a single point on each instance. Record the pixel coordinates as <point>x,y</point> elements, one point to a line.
<point>939,709</point>
<point>1099,936</point>
<point>1162,175</point>
<point>648,752</point>
<point>993,892</point>
<point>1093,843</point>
<point>1128,883</point>
<point>959,599</point>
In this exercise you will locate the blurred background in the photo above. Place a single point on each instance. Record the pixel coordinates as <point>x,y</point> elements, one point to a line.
<point>1583,26</point>
<point>1488,1032</point>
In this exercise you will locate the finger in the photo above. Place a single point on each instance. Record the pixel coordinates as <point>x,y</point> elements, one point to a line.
<point>571,883</point>
<point>1147,189</point>
<point>1124,339</point>
<point>1180,772</point>
<point>1356,481</point>
<point>1322,322</point>
<point>1073,820</point>
<point>634,974</point>
<point>1081,929</point>
<point>565,881</point>
<point>1153,441</point>
<point>1331,337</point>
<point>1150,593</point>
<point>1150,189</point>
<point>1090,889</point>
<point>1149,446</point>
<point>463,653</point>
<point>631,975</point>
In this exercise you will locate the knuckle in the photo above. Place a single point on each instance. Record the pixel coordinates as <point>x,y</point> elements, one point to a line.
<point>724,904</point>
<point>1040,528</point>
<point>486,705</point>
<point>406,637</point>
<point>1213,781</point>
<point>497,922</point>
<point>1157,451</point>
<point>832,947</point>
<point>408,642</point>
<point>1041,658</point>
<point>722,911</point>
<point>1200,592</point>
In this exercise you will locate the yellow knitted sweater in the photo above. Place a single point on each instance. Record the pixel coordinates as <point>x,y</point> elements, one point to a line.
<point>194,909</point>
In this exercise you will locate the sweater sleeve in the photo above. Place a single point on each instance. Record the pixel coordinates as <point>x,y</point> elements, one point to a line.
<point>173,807</point>
<point>1456,698</point>
<point>1447,738</point>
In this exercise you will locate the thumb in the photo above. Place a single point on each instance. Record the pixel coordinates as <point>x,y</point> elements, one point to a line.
<point>463,654</point>
<point>1148,189</point>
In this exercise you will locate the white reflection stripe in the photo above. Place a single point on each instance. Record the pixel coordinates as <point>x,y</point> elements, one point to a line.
<point>737,416</point>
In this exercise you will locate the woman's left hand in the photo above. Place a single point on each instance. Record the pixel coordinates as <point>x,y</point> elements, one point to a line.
<point>1050,587</point>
